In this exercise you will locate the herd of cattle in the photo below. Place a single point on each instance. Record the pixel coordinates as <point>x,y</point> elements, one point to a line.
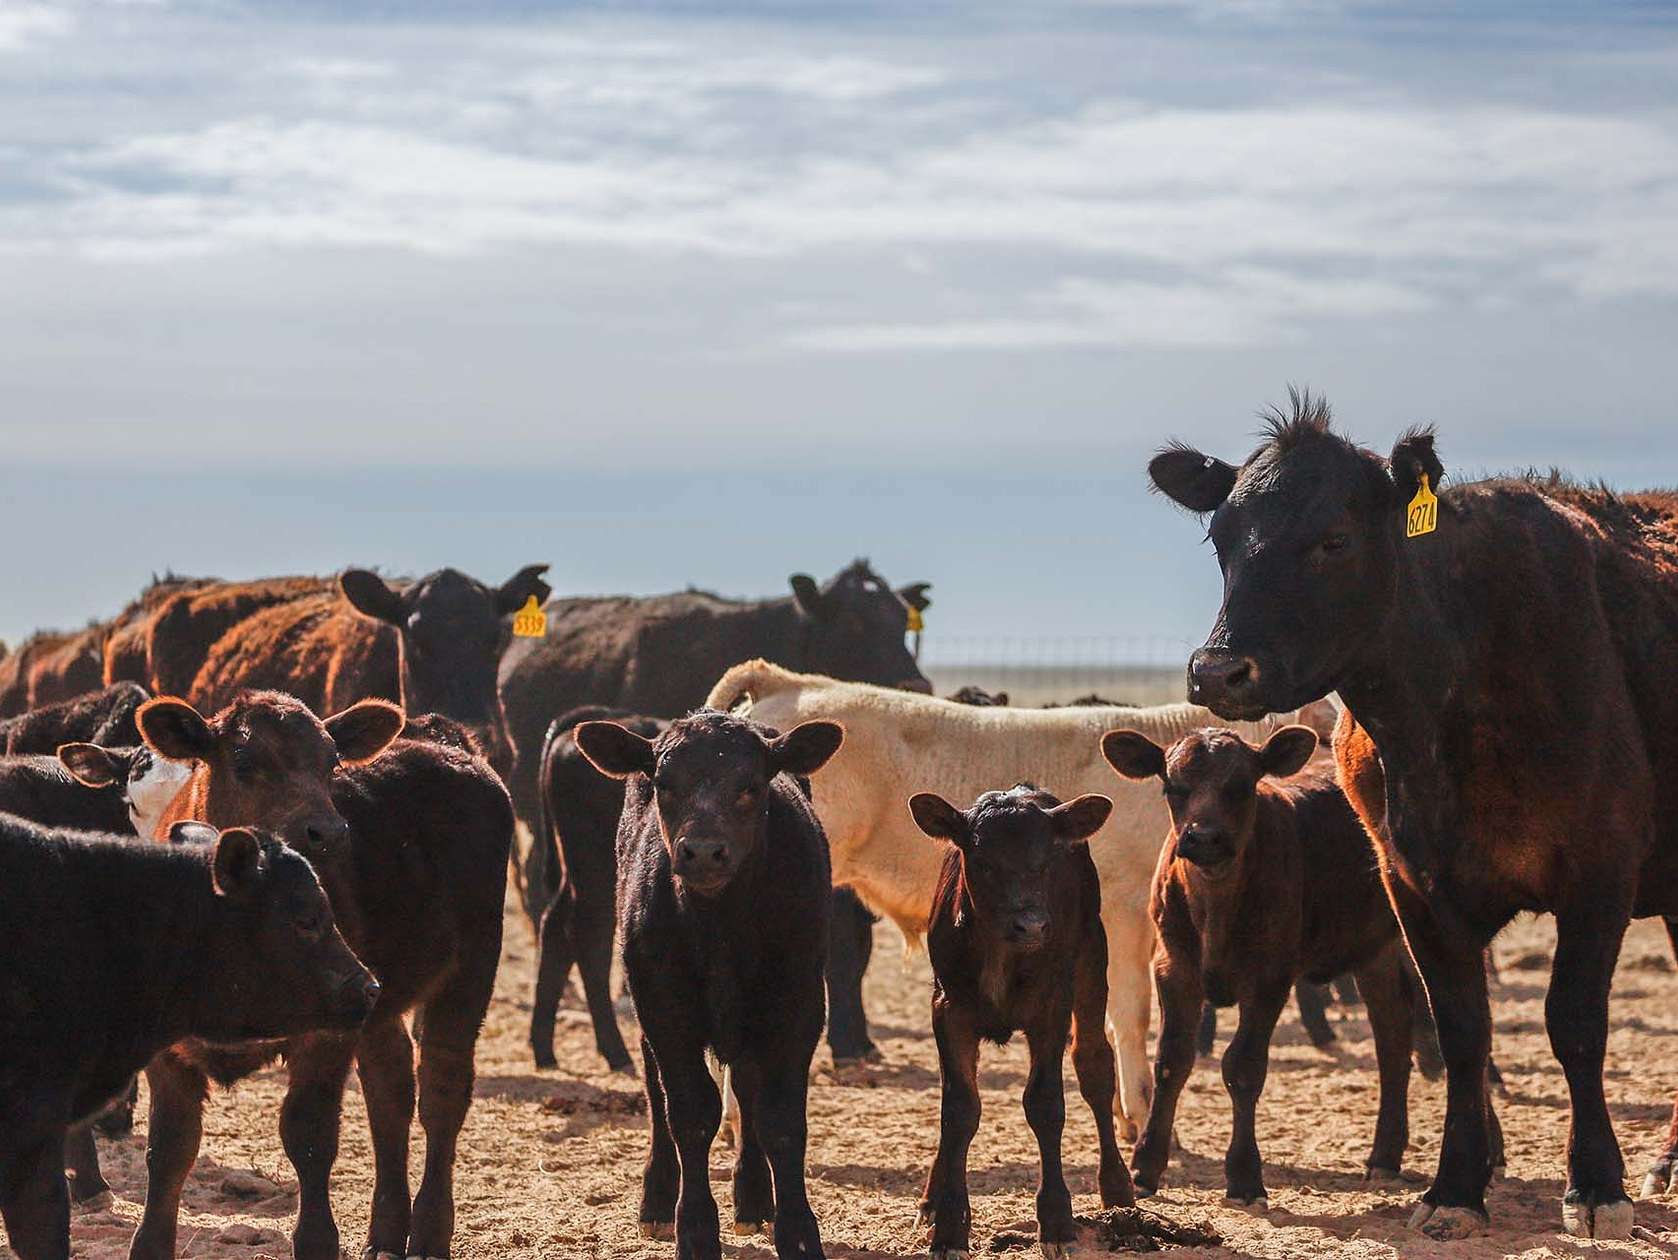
<point>329,774</point>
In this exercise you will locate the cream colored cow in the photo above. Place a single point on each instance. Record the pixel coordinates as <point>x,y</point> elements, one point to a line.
<point>898,743</point>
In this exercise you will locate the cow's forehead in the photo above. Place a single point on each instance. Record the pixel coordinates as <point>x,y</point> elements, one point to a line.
<point>708,744</point>
<point>1208,752</point>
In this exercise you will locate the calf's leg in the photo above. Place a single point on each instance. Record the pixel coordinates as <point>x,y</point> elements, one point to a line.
<point>310,1119</point>
<point>1576,1013</point>
<point>554,956</point>
<point>1246,1064</point>
<point>1180,1000</point>
<point>81,1159</point>
<point>754,1195</point>
<point>174,1129</point>
<point>661,1176</point>
<point>34,1199</point>
<point>1386,995</point>
<point>1092,1061</point>
<point>850,945</point>
<point>1660,1177</point>
<point>782,1126</point>
<point>592,928</point>
<point>385,1063</point>
<point>944,1205</point>
<point>1312,1000</point>
<point>1045,1111</point>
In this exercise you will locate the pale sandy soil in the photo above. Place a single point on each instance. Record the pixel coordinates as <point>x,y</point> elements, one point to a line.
<point>550,1162</point>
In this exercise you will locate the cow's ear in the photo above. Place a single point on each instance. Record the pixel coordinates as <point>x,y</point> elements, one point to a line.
<point>938,818</point>
<point>811,602</point>
<point>1078,820</point>
<point>371,596</point>
<point>1287,751</point>
<point>915,595</point>
<point>1195,481</point>
<point>174,729</point>
<point>364,730</point>
<point>1133,754</point>
<point>614,750</point>
<point>1412,457</point>
<point>191,831</point>
<point>92,766</point>
<point>238,864</point>
<point>806,748</point>
<point>520,587</point>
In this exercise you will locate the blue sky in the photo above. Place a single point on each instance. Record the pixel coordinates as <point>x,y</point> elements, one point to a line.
<point>672,292</point>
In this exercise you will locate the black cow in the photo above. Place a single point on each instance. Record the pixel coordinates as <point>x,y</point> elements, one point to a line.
<point>1017,946</point>
<point>101,717</point>
<point>114,950</point>
<point>723,905</point>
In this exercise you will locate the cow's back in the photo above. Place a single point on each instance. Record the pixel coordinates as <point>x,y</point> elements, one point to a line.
<point>313,647</point>
<point>898,743</point>
<point>189,622</point>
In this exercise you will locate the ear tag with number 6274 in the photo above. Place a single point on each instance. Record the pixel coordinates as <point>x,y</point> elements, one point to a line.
<point>530,622</point>
<point>1422,517</point>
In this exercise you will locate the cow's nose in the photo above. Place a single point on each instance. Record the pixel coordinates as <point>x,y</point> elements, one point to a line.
<point>704,855</point>
<point>1028,925</point>
<point>1201,844</point>
<point>325,832</point>
<point>1219,676</point>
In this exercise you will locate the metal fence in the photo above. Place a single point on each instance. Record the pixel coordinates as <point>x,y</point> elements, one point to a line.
<point>1044,669</point>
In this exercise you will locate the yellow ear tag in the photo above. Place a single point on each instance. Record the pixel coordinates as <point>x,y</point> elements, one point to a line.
<point>916,625</point>
<point>530,622</point>
<point>1423,514</point>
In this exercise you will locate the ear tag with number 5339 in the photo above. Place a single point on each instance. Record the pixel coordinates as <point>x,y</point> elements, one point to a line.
<point>530,622</point>
<point>1422,517</point>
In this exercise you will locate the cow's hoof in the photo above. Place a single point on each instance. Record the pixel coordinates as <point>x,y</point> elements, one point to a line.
<point>623,1069</point>
<point>1499,1171</point>
<point>96,1203</point>
<point>1055,1251</point>
<point>1382,1176</point>
<point>1444,1223</point>
<point>1128,1132</point>
<point>1583,1219</point>
<point>949,1253</point>
<point>1258,1203</point>
<point>546,1062</point>
<point>745,1229</point>
<point>370,1254</point>
<point>1658,1180</point>
<point>664,1230</point>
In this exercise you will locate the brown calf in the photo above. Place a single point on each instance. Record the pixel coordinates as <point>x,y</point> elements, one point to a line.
<point>1017,945</point>
<point>416,878</point>
<point>188,622</point>
<point>1262,882</point>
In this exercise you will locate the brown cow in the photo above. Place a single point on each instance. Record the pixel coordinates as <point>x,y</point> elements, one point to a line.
<point>1261,883</point>
<point>432,645</point>
<point>417,880</point>
<point>188,622</point>
<point>1017,946</point>
<point>52,665</point>
<point>126,646</point>
<point>1511,647</point>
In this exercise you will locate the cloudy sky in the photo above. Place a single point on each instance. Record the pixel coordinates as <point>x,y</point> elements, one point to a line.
<point>681,291</point>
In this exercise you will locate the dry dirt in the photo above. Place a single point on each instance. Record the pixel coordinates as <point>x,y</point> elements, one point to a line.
<point>550,1162</point>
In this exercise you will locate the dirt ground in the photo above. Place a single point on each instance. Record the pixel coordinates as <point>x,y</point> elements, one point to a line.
<point>550,1162</point>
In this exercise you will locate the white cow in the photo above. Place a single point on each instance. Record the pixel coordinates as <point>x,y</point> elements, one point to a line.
<point>898,743</point>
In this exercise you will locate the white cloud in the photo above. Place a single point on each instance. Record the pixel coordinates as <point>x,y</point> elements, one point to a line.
<point>23,23</point>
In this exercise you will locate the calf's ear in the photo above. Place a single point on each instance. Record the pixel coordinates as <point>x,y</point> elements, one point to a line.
<point>807,595</point>
<point>1186,477</point>
<point>938,818</point>
<point>1133,754</point>
<point>237,865</point>
<point>189,831</point>
<point>520,587</point>
<point>91,765</point>
<point>806,748</point>
<point>174,729</point>
<point>364,730</point>
<point>371,596</point>
<point>1078,820</point>
<point>614,750</point>
<point>1287,751</point>
<point>1412,456</point>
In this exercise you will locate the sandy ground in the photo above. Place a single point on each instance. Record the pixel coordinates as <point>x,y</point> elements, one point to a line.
<point>550,1162</point>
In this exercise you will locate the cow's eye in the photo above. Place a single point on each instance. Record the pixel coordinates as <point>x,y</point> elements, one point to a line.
<point>244,766</point>
<point>311,925</point>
